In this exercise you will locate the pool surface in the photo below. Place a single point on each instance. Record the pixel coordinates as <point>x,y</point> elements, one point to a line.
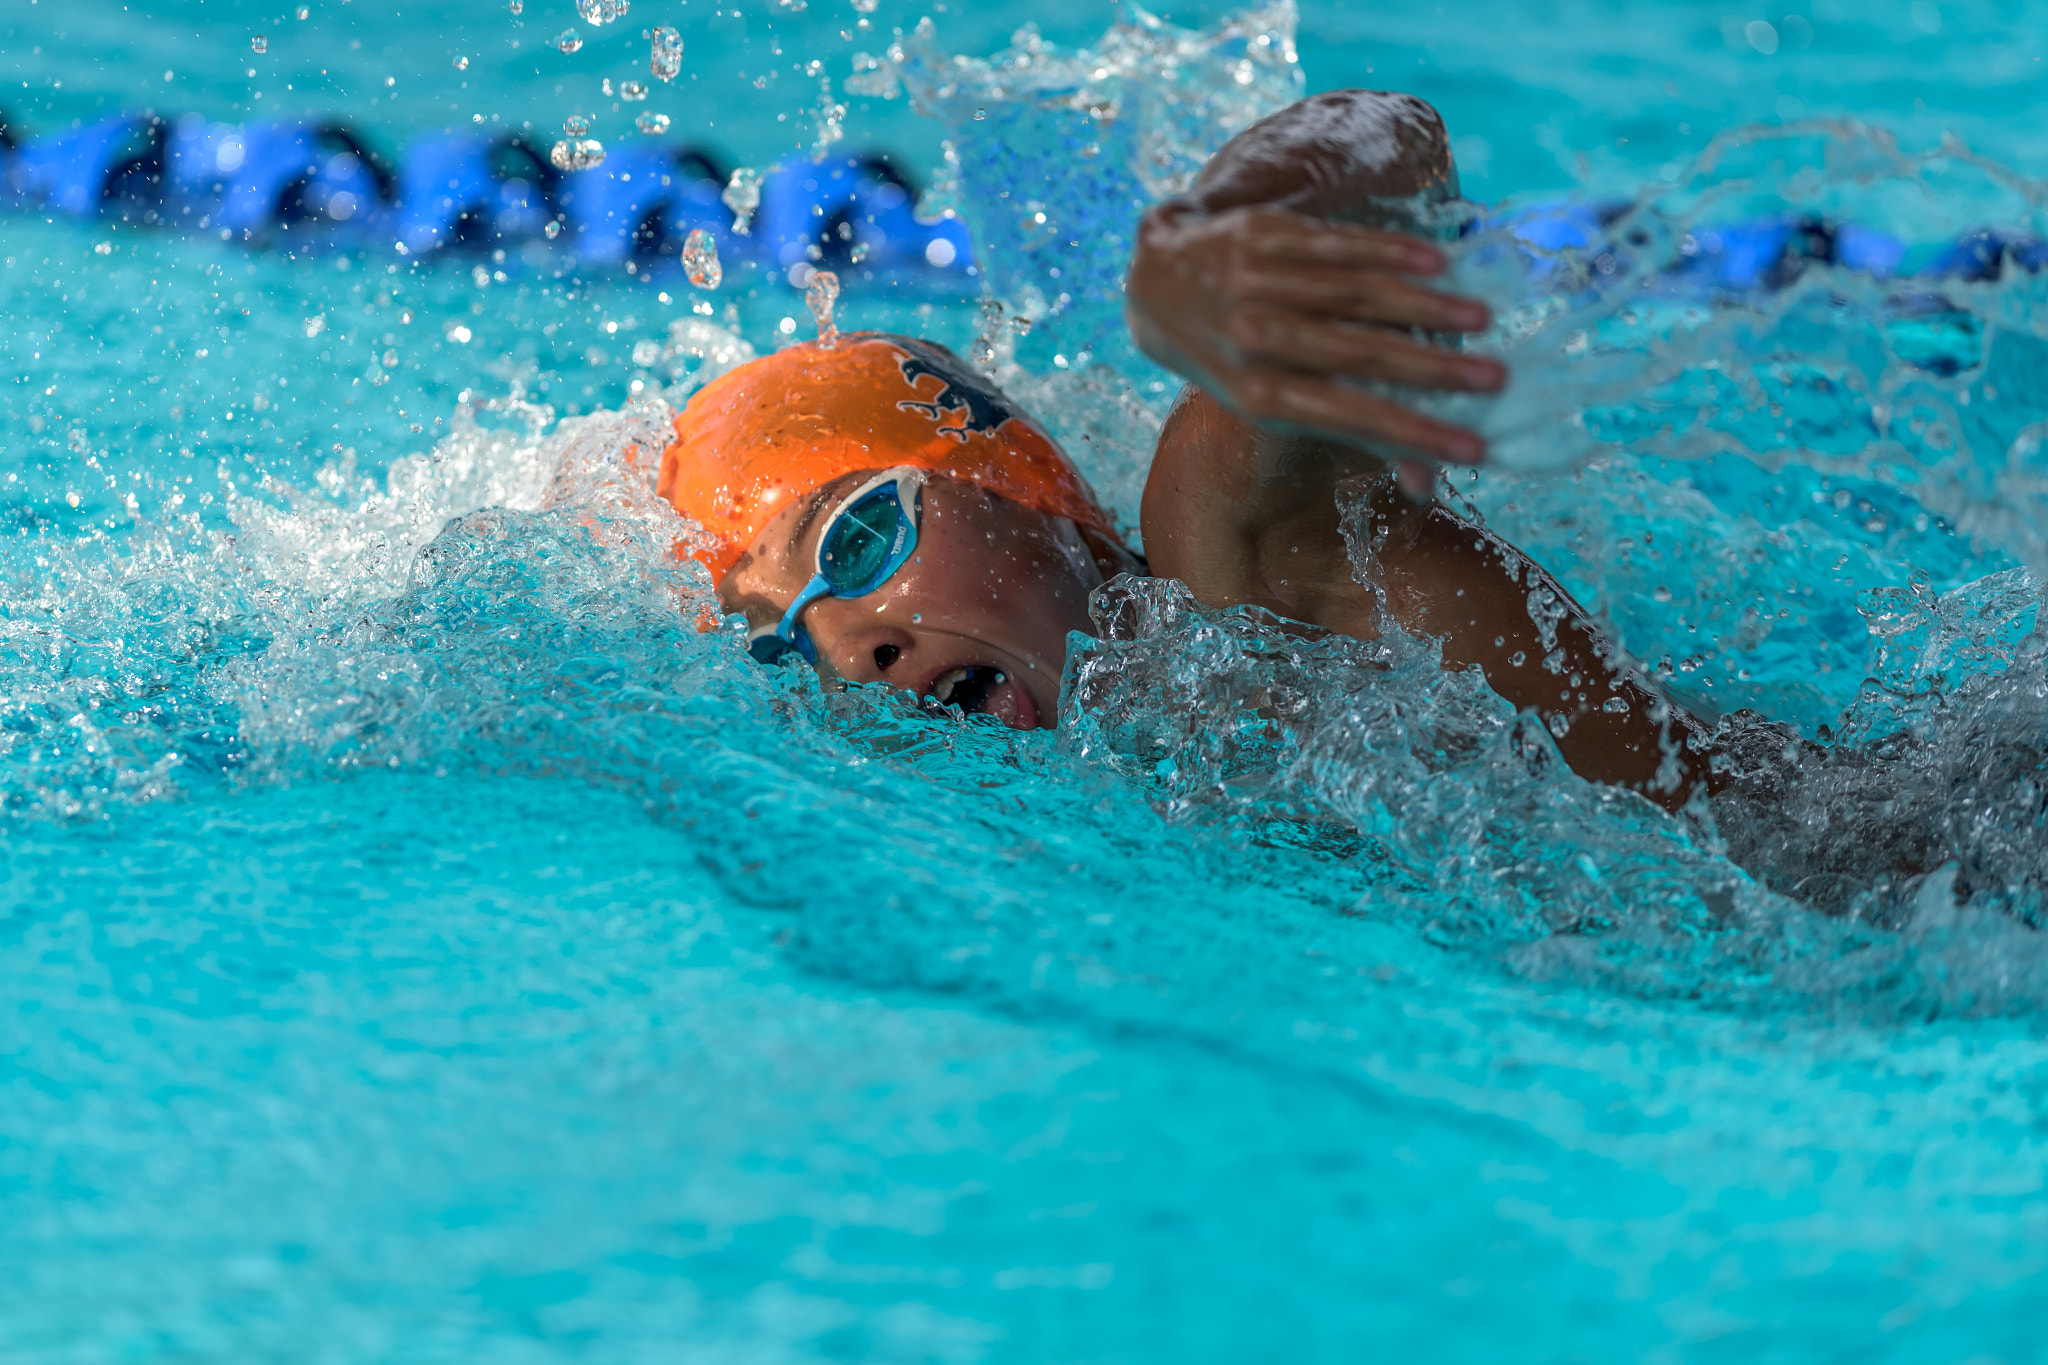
<point>420,943</point>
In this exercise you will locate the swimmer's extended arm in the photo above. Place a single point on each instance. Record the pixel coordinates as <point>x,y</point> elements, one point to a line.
<point>1241,502</point>
<point>1438,575</point>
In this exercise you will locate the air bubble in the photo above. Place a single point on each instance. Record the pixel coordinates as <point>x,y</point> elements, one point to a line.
<point>259,44</point>
<point>305,11</point>
<point>554,227</point>
<point>794,6</point>
<point>651,123</point>
<point>576,125</point>
<point>577,154</point>
<point>819,296</point>
<point>700,259</point>
<point>600,11</point>
<point>517,7</point>
<point>665,57</point>
<point>570,41</point>
<point>632,91</point>
<point>462,63</point>
<point>743,195</point>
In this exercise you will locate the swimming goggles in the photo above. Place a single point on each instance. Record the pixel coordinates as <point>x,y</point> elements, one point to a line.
<point>868,537</point>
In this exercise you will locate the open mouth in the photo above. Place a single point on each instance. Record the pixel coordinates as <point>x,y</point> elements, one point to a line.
<point>984,690</point>
<point>968,688</point>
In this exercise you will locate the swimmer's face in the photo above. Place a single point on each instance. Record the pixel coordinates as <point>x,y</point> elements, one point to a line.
<point>978,618</point>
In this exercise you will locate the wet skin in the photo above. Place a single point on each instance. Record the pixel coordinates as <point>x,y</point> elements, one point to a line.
<point>993,589</point>
<point>1274,285</point>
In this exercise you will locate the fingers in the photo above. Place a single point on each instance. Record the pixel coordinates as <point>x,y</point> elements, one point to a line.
<point>1333,408</point>
<point>1362,296</point>
<point>1359,352</point>
<point>1336,269</point>
<point>1276,235</point>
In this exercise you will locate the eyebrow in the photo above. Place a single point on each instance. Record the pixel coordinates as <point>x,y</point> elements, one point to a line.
<point>816,501</point>
<point>813,508</point>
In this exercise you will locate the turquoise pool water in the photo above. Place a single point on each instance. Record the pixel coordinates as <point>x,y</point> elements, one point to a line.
<point>420,944</point>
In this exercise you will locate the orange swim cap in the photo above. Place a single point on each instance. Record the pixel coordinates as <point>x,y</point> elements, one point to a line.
<point>772,430</point>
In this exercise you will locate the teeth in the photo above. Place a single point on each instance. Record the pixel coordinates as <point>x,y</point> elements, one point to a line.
<point>942,690</point>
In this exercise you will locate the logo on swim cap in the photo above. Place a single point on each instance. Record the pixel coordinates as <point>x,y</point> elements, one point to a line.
<point>986,410</point>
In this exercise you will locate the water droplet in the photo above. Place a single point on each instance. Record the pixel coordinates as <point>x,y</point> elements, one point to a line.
<point>553,229</point>
<point>632,91</point>
<point>916,618</point>
<point>570,41</point>
<point>665,58</point>
<point>700,259</point>
<point>259,44</point>
<point>743,195</point>
<point>651,123</point>
<point>576,125</point>
<point>980,114</point>
<point>517,6</point>
<point>462,63</point>
<point>819,296</point>
<point>577,154</point>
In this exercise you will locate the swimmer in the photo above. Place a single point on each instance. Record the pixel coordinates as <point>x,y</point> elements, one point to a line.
<point>884,513</point>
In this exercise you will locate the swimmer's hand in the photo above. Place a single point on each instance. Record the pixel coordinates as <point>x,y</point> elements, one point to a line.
<point>1273,312</point>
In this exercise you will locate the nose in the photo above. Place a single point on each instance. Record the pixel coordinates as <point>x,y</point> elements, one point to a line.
<point>858,646</point>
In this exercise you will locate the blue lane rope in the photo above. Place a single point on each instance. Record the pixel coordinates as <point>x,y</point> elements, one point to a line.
<point>316,185</point>
<point>312,185</point>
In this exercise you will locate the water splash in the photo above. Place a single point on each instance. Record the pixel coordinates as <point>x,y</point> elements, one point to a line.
<point>821,293</point>
<point>742,195</point>
<point>1071,146</point>
<point>577,154</point>
<point>1485,842</point>
<point>1919,385</point>
<point>700,259</point>
<point>831,116</point>
<point>665,53</point>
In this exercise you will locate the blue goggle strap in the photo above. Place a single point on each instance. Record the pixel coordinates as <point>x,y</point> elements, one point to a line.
<point>789,630</point>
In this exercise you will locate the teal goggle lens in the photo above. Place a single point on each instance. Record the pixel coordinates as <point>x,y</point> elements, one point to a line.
<point>866,542</point>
